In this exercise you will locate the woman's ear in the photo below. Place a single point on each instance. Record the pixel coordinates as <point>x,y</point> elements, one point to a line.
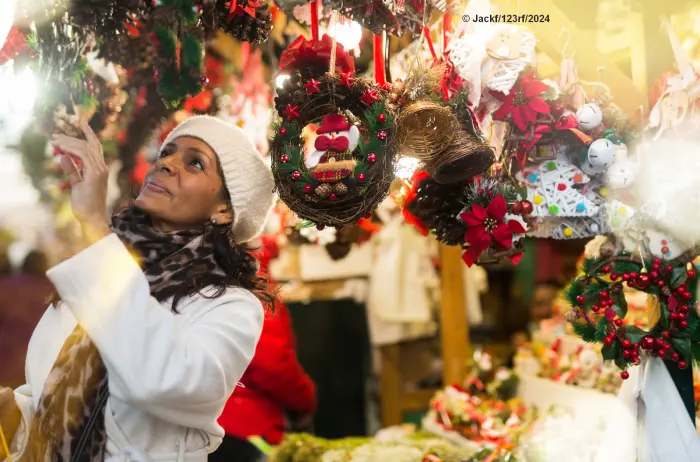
<point>223,216</point>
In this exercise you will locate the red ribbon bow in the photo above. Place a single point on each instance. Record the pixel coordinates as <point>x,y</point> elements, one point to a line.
<point>303,53</point>
<point>324,143</point>
<point>237,10</point>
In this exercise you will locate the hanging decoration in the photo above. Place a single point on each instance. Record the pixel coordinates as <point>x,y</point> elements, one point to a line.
<point>599,308</point>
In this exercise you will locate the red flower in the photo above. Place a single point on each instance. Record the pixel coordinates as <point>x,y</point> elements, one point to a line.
<point>485,226</point>
<point>523,103</point>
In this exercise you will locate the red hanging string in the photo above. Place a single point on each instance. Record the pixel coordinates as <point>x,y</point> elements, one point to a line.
<point>429,39</point>
<point>446,29</point>
<point>379,66</point>
<point>314,20</point>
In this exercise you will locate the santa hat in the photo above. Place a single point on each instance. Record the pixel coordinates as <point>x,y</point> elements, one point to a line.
<point>333,123</point>
<point>247,177</point>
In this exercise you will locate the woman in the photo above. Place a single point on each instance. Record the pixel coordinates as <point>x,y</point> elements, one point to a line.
<point>136,362</point>
<point>274,384</point>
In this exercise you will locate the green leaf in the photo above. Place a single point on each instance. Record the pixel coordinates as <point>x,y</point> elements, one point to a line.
<point>573,291</point>
<point>693,328</point>
<point>589,264</point>
<point>621,267</point>
<point>620,310</point>
<point>634,334</point>
<point>612,351</point>
<point>678,277</point>
<point>601,331</point>
<point>665,316</point>
<point>585,331</point>
<point>683,346</point>
<point>621,362</point>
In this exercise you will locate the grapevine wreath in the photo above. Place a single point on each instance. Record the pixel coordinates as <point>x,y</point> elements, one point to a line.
<point>348,170</point>
<point>599,308</point>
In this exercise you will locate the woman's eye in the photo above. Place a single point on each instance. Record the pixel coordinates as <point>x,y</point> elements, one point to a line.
<point>163,153</point>
<point>197,163</point>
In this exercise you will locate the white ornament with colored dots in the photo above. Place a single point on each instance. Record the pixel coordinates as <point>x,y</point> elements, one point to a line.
<point>601,153</point>
<point>589,116</point>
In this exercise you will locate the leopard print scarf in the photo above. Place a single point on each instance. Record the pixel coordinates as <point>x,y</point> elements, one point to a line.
<point>68,425</point>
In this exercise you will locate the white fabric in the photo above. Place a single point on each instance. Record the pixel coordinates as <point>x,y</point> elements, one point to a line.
<point>169,374</point>
<point>248,179</point>
<point>476,282</point>
<point>399,302</point>
<point>650,424</point>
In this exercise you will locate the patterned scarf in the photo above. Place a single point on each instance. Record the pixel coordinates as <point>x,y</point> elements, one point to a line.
<point>68,425</point>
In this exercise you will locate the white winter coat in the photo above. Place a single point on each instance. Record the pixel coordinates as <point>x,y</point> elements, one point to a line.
<point>169,374</point>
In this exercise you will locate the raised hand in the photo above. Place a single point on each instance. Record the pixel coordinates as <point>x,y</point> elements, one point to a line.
<point>88,179</point>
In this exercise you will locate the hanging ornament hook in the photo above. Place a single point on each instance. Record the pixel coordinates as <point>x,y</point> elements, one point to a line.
<point>563,31</point>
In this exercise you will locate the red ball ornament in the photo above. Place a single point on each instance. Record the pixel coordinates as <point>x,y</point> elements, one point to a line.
<point>332,196</point>
<point>489,192</point>
<point>662,353</point>
<point>296,175</point>
<point>361,177</point>
<point>660,343</point>
<point>516,208</point>
<point>320,227</point>
<point>604,303</point>
<point>308,189</point>
<point>686,295</point>
<point>527,207</point>
<point>618,322</point>
<point>480,191</point>
<point>382,135</point>
<point>614,276</point>
<point>604,294</point>
<point>683,324</point>
<point>654,275</point>
<point>666,334</point>
<point>660,283</point>
<point>634,275</point>
<point>664,250</point>
<point>595,308</point>
<point>204,80</point>
<point>682,364</point>
<point>283,131</point>
<point>657,261</point>
<point>625,375</point>
<point>580,299</point>
<point>684,308</point>
<point>381,118</point>
<point>669,268</point>
<point>284,158</point>
<point>371,157</point>
<point>674,316</point>
<point>675,356</point>
<point>648,342</point>
<point>627,354</point>
<point>691,273</point>
<point>607,269</point>
<point>626,344</point>
<point>643,281</point>
<point>608,340</point>
<point>682,316</point>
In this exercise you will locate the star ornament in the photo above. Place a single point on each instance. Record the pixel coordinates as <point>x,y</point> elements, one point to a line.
<point>346,79</point>
<point>291,112</point>
<point>312,86</point>
<point>370,97</point>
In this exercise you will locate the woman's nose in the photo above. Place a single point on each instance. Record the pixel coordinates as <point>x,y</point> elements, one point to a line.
<point>167,164</point>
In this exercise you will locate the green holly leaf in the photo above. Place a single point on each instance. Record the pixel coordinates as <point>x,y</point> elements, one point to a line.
<point>522,192</point>
<point>586,331</point>
<point>621,362</point>
<point>665,319</point>
<point>612,351</point>
<point>678,277</point>
<point>601,331</point>
<point>683,346</point>
<point>634,334</point>
<point>620,310</point>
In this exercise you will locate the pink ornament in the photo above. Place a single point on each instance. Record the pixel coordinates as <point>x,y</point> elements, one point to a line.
<point>296,175</point>
<point>381,135</point>
<point>371,157</point>
<point>284,158</point>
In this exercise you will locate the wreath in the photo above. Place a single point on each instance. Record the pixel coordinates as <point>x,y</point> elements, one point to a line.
<point>599,308</point>
<point>349,168</point>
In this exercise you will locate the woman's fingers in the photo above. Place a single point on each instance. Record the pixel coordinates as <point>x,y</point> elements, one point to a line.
<point>71,170</point>
<point>90,136</point>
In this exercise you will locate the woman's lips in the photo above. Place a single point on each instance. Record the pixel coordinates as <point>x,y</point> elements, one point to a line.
<point>156,187</point>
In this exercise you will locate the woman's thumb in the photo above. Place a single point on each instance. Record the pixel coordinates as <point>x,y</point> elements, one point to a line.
<point>70,168</point>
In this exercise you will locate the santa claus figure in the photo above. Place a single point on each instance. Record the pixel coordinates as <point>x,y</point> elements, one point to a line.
<point>332,161</point>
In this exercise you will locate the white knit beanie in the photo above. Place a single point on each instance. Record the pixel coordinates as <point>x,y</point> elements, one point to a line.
<point>247,177</point>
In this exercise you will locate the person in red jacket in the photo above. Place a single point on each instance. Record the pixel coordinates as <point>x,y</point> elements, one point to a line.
<point>274,386</point>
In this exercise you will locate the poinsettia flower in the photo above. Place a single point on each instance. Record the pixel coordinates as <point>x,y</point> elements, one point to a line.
<point>486,226</point>
<point>524,103</point>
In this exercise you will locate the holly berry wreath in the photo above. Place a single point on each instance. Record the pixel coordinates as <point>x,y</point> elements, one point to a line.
<point>348,169</point>
<point>599,308</point>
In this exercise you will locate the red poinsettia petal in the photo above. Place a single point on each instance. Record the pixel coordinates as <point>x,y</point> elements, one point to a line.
<point>515,259</point>
<point>530,114</point>
<point>503,111</point>
<point>516,227</point>
<point>497,207</point>
<point>519,118</point>
<point>502,235</point>
<point>470,219</point>
<point>533,87</point>
<point>471,255</point>
<point>672,303</point>
<point>477,235</point>
<point>539,105</point>
<point>502,97</point>
<point>479,212</point>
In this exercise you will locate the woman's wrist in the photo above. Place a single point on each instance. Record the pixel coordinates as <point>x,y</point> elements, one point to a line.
<point>94,230</point>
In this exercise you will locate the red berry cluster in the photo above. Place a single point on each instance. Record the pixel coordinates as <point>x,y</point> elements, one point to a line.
<point>659,279</point>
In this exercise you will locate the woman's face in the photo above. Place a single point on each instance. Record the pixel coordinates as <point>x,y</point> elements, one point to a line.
<point>184,189</point>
